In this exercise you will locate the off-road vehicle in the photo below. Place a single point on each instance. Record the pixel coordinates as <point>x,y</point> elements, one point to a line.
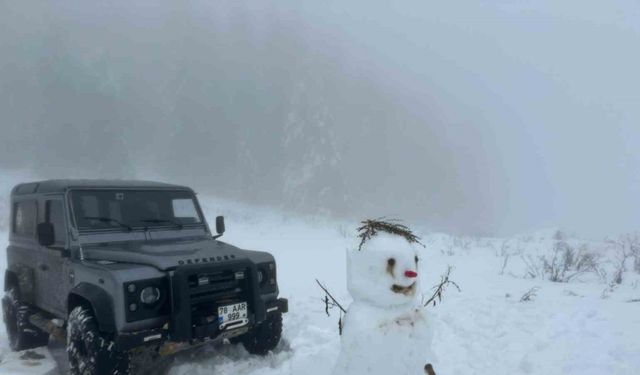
<point>112,266</point>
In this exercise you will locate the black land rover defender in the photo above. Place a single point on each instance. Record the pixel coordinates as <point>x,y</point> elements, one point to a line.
<point>119,265</point>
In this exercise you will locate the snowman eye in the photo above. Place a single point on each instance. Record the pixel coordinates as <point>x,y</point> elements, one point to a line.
<point>416,258</point>
<point>391,262</point>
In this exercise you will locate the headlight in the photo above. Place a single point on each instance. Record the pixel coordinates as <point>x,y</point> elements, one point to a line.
<point>150,295</point>
<point>267,275</point>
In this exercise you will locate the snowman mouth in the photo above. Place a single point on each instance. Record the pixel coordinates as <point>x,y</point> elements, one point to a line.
<point>406,290</point>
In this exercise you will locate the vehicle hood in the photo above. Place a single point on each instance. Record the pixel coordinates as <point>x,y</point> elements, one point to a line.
<point>169,254</point>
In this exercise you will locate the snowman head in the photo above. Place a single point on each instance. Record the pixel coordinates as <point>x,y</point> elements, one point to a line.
<point>384,272</point>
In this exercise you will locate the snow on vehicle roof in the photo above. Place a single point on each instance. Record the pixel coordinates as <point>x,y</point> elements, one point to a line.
<point>54,186</point>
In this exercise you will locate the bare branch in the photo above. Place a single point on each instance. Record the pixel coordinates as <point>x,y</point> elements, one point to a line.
<point>504,264</point>
<point>333,301</point>
<point>330,303</point>
<point>440,288</point>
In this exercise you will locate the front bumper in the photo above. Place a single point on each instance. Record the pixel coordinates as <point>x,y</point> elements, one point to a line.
<point>131,340</point>
<point>280,305</point>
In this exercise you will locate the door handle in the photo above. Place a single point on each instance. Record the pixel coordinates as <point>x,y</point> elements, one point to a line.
<point>44,267</point>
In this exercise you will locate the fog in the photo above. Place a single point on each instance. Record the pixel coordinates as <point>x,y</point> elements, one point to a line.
<point>483,117</point>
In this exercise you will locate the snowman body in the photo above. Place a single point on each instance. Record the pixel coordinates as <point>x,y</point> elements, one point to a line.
<point>385,329</point>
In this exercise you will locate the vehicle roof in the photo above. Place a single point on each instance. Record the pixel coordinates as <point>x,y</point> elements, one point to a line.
<point>60,186</point>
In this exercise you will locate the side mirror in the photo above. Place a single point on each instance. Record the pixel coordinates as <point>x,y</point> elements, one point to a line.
<point>46,235</point>
<point>220,225</point>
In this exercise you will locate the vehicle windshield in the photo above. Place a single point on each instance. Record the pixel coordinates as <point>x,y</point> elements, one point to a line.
<point>129,209</point>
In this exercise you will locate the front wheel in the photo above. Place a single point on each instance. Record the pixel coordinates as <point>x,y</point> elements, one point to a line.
<point>265,337</point>
<point>90,351</point>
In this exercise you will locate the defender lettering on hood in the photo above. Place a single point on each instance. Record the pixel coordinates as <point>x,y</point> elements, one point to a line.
<point>206,260</point>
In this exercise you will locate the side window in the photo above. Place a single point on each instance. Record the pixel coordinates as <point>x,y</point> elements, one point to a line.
<point>54,214</point>
<point>24,218</point>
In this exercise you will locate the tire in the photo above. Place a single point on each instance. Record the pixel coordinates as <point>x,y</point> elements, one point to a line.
<point>21,333</point>
<point>90,351</point>
<point>265,337</point>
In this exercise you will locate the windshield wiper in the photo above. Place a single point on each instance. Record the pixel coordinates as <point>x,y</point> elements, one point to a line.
<point>176,223</point>
<point>105,219</point>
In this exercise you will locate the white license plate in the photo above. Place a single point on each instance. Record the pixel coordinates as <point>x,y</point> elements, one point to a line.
<point>232,313</point>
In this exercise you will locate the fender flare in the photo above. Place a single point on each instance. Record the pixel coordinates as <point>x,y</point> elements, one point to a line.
<point>100,302</point>
<point>10,278</point>
<point>21,276</point>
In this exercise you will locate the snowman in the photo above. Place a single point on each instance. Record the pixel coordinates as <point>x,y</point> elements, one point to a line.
<point>386,331</point>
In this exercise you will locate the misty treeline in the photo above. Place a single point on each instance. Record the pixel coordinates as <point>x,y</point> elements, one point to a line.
<point>247,103</point>
<point>457,117</point>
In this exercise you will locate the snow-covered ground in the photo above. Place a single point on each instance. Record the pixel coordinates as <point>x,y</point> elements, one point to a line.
<point>568,328</point>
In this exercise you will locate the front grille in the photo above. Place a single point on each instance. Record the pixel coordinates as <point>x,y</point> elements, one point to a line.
<point>205,287</point>
<point>209,290</point>
<point>198,291</point>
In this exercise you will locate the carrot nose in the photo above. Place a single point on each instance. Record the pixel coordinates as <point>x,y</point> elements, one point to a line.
<point>410,274</point>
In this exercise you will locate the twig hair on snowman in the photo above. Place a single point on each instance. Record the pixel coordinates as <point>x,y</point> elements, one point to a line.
<point>392,244</point>
<point>385,329</point>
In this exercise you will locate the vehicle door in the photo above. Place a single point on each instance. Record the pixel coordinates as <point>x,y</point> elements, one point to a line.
<point>53,270</point>
<point>23,251</point>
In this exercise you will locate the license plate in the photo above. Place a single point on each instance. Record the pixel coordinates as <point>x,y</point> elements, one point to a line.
<point>232,313</point>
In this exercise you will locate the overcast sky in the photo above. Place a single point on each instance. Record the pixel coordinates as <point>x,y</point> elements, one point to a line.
<point>471,116</point>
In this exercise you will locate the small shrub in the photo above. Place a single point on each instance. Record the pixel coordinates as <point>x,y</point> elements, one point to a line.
<point>504,249</point>
<point>606,293</point>
<point>568,263</point>
<point>504,264</point>
<point>462,242</point>
<point>534,268</point>
<point>617,276</point>
<point>448,250</point>
<point>564,264</point>
<point>627,247</point>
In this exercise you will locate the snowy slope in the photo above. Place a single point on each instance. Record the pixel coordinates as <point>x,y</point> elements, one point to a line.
<point>485,329</point>
<point>567,329</point>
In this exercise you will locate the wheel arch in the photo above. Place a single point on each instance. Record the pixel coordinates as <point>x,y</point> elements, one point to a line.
<point>21,277</point>
<point>10,279</point>
<point>96,299</point>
